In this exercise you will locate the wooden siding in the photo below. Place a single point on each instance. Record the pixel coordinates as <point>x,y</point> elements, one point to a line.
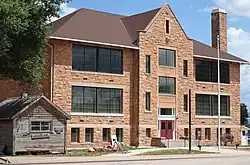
<point>26,140</point>
<point>6,136</point>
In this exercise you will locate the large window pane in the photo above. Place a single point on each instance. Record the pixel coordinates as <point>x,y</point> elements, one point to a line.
<point>207,105</point>
<point>90,59</point>
<point>116,61</point>
<point>89,100</point>
<point>167,85</point>
<point>94,59</point>
<point>115,101</point>
<point>167,57</point>
<point>77,57</point>
<point>207,71</point>
<point>103,99</point>
<point>77,99</point>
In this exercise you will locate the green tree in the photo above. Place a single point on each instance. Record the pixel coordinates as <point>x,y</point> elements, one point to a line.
<point>243,114</point>
<point>23,34</point>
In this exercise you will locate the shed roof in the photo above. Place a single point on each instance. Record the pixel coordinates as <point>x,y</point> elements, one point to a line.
<point>12,107</point>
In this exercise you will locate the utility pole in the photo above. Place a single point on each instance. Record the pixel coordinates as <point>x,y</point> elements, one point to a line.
<point>189,124</point>
<point>218,51</point>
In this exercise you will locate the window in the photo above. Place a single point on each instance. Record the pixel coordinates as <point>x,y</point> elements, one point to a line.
<point>228,130</point>
<point>207,105</point>
<point>217,132</point>
<point>167,85</point>
<point>148,99</point>
<point>166,111</point>
<point>40,126</point>
<point>106,135</point>
<point>163,125</point>
<point>167,26</point>
<point>167,57</point>
<point>148,62</point>
<point>89,135</point>
<point>75,135</point>
<point>208,133</point>
<point>148,132</point>
<point>185,132</point>
<point>185,68</point>
<point>243,133</point>
<point>198,133</point>
<point>170,125</point>
<point>207,71</point>
<point>119,134</point>
<point>185,103</point>
<point>96,100</point>
<point>94,59</point>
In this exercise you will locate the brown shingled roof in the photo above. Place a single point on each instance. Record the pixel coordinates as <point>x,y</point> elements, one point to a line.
<point>204,50</point>
<point>97,26</point>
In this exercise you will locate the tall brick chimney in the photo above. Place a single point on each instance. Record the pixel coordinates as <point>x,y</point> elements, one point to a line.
<point>219,27</point>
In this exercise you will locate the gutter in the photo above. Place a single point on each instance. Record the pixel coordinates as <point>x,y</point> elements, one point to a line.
<point>51,71</point>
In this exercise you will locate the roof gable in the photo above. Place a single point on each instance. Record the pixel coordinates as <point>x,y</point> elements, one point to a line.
<point>13,107</point>
<point>138,22</point>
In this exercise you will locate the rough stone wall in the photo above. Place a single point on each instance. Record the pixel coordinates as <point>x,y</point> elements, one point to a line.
<point>149,42</point>
<point>65,77</point>
<point>219,27</point>
<point>233,122</point>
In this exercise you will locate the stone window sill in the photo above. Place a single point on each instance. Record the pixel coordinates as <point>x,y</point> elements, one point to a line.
<point>165,94</point>
<point>213,117</point>
<point>96,114</point>
<point>163,66</point>
<point>146,111</point>
<point>97,73</point>
<point>211,83</point>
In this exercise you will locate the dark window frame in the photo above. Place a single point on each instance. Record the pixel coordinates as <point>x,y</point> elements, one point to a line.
<point>168,86</point>
<point>148,101</point>
<point>206,71</point>
<point>148,64</point>
<point>40,125</point>
<point>104,131</point>
<point>77,133</point>
<point>185,132</point>
<point>167,26</point>
<point>185,104</point>
<point>207,105</point>
<point>148,132</point>
<point>96,67</point>
<point>119,134</point>
<point>91,135</point>
<point>198,136</point>
<point>207,133</point>
<point>185,68</point>
<point>96,99</point>
<point>167,57</point>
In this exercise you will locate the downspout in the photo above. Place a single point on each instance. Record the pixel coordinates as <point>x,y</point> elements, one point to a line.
<point>51,71</point>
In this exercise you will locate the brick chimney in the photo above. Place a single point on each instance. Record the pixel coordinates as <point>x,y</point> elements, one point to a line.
<point>219,27</point>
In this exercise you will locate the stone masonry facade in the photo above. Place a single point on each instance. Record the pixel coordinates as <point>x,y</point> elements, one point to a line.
<point>135,83</point>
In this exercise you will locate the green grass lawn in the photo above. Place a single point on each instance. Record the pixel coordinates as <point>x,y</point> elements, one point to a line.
<point>86,153</point>
<point>173,152</point>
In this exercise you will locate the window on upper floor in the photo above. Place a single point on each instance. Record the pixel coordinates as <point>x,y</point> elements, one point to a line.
<point>185,68</point>
<point>148,100</point>
<point>185,103</point>
<point>207,105</point>
<point>40,126</point>
<point>207,71</point>
<point>96,100</point>
<point>148,61</point>
<point>167,57</point>
<point>166,85</point>
<point>167,26</point>
<point>95,59</point>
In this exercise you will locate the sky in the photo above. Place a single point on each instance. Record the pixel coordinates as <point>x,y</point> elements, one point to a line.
<point>194,16</point>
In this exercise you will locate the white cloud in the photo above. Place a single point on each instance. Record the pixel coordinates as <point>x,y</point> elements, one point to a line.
<point>239,44</point>
<point>236,7</point>
<point>65,9</point>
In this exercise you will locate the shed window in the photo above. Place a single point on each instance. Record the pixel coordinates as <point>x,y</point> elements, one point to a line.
<point>40,126</point>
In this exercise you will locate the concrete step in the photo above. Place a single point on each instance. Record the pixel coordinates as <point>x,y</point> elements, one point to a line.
<point>178,143</point>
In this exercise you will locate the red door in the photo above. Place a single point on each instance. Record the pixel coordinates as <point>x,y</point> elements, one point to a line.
<point>166,129</point>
